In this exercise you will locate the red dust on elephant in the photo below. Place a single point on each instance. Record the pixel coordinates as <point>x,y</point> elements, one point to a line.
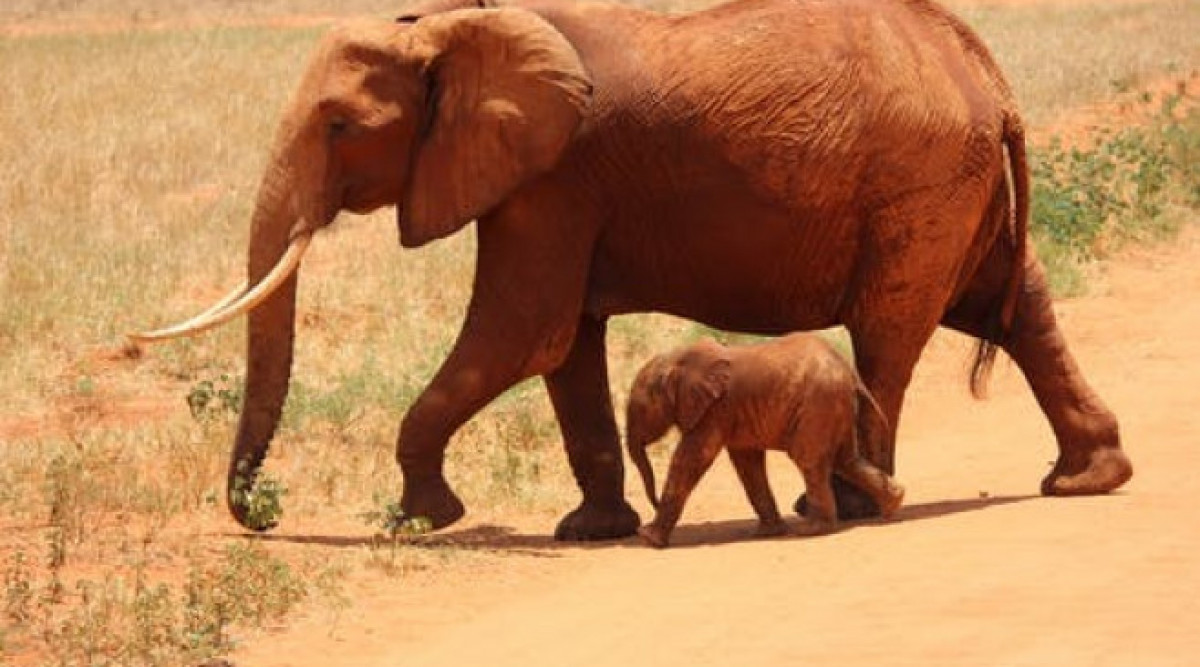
<point>764,166</point>
<point>794,394</point>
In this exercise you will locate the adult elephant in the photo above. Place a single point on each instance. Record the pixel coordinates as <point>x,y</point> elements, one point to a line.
<point>764,166</point>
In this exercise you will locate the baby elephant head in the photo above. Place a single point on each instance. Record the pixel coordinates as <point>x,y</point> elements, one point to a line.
<point>675,389</point>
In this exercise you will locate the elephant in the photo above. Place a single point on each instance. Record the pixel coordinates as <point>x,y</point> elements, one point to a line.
<point>763,166</point>
<point>794,393</point>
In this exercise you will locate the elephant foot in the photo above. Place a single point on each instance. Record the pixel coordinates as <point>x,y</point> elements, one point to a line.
<point>771,528</point>
<point>814,527</point>
<point>1099,471</point>
<point>590,522</point>
<point>434,500</point>
<point>852,503</point>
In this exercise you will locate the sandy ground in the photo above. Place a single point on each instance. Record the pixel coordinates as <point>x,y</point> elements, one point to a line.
<point>977,570</point>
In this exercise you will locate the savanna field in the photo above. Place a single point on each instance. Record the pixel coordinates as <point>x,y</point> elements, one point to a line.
<point>132,138</point>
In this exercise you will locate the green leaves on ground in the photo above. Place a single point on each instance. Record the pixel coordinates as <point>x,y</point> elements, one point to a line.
<point>1132,184</point>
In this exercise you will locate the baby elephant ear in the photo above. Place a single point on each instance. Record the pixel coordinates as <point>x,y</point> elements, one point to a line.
<point>703,379</point>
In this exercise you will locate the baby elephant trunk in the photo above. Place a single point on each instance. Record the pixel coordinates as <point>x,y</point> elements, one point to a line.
<point>637,453</point>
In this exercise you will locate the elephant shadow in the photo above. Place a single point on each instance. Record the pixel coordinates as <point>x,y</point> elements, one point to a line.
<point>508,541</point>
<point>491,538</point>
<point>712,533</point>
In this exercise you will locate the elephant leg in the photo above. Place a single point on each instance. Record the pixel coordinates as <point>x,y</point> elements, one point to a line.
<point>893,312</point>
<point>521,322</point>
<point>470,378</point>
<point>693,457</point>
<point>582,402</point>
<point>886,368</point>
<point>885,357</point>
<point>885,361</point>
<point>751,467</point>
<point>1090,458</point>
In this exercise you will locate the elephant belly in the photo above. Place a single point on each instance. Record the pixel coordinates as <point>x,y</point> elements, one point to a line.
<point>740,267</point>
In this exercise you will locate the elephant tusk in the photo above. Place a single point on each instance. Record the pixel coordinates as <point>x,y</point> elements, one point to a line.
<point>235,303</point>
<point>185,327</point>
<point>217,307</point>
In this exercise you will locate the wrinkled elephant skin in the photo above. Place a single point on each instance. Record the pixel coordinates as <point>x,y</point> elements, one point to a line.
<point>794,394</point>
<point>765,166</point>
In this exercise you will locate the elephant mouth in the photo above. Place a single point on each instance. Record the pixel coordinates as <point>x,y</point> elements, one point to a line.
<point>242,299</point>
<point>363,205</point>
<point>361,198</point>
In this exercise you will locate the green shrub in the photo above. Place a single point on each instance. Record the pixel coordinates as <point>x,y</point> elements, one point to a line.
<point>262,499</point>
<point>1122,186</point>
<point>215,399</point>
<point>389,517</point>
<point>115,622</point>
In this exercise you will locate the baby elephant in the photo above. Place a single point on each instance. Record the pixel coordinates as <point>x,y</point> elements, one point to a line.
<point>794,393</point>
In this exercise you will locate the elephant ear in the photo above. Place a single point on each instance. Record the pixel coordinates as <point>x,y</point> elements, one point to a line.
<point>506,93</point>
<point>701,378</point>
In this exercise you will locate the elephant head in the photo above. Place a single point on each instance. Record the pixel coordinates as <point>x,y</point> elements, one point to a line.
<point>675,389</point>
<point>442,116</point>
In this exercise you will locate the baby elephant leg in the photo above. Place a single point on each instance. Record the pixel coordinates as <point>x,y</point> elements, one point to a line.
<point>886,493</point>
<point>821,517</point>
<point>691,460</point>
<point>751,467</point>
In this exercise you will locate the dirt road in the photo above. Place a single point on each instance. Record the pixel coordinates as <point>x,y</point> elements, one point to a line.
<point>978,569</point>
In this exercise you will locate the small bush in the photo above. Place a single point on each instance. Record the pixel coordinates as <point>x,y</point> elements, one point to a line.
<point>215,399</point>
<point>262,498</point>
<point>249,585</point>
<point>389,517</point>
<point>68,491</point>
<point>18,589</point>
<point>1120,187</point>
<point>114,622</point>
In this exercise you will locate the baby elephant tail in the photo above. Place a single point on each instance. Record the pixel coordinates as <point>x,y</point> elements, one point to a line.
<point>637,453</point>
<point>867,402</point>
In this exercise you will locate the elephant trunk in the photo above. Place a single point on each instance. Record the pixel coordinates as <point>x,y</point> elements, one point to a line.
<point>637,453</point>
<point>270,336</point>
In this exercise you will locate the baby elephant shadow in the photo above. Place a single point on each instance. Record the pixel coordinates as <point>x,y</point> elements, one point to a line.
<point>937,508</point>
<point>712,533</point>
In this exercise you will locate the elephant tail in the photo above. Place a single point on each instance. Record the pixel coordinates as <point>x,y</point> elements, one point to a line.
<point>637,453</point>
<point>1017,230</point>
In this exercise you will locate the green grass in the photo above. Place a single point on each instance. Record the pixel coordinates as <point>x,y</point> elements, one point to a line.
<point>129,620</point>
<point>1124,185</point>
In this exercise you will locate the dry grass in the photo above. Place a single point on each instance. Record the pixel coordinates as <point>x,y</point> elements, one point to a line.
<point>1060,58</point>
<point>154,10</point>
<point>127,166</point>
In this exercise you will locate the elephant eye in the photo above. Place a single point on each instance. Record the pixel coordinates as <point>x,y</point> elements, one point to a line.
<point>338,126</point>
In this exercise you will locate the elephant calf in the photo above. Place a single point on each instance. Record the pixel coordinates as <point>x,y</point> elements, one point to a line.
<point>794,394</point>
